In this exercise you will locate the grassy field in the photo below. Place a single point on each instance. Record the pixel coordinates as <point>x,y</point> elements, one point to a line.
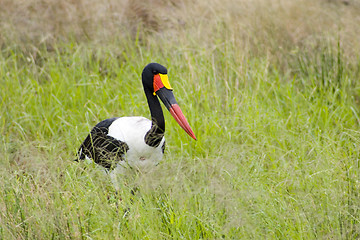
<point>271,91</point>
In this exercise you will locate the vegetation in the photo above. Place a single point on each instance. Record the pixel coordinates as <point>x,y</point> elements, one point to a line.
<point>270,89</point>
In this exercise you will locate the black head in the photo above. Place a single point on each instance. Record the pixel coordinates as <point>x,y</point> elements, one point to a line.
<point>149,72</point>
<point>156,84</point>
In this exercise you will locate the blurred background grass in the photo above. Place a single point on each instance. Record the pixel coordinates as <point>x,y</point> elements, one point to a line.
<point>258,28</point>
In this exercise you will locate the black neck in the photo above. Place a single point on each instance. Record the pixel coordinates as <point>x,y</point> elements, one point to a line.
<point>154,136</point>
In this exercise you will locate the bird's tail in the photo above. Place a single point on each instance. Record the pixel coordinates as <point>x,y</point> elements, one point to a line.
<point>79,156</point>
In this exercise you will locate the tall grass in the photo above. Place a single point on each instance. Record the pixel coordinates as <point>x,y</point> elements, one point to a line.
<point>272,97</point>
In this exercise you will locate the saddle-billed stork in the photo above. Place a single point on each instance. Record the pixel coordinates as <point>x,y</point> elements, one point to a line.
<point>135,142</point>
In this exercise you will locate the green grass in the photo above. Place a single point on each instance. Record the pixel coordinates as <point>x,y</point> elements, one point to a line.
<point>277,154</point>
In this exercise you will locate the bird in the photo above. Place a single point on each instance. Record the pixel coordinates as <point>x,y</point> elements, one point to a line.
<point>134,142</point>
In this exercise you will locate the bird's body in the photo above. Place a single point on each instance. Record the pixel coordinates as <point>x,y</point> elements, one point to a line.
<point>135,142</point>
<point>132,130</point>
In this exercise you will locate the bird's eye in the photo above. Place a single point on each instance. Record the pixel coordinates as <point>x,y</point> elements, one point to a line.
<point>154,72</point>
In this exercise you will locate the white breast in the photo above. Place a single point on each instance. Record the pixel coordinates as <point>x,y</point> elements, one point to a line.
<point>132,130</point>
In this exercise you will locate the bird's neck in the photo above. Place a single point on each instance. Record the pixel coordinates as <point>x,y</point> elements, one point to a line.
<point>154,136</point>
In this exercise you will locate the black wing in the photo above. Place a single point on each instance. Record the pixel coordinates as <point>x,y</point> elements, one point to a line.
<point>103,149</point>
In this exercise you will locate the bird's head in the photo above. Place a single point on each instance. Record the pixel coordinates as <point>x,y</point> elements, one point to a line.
<point>155,79</point>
